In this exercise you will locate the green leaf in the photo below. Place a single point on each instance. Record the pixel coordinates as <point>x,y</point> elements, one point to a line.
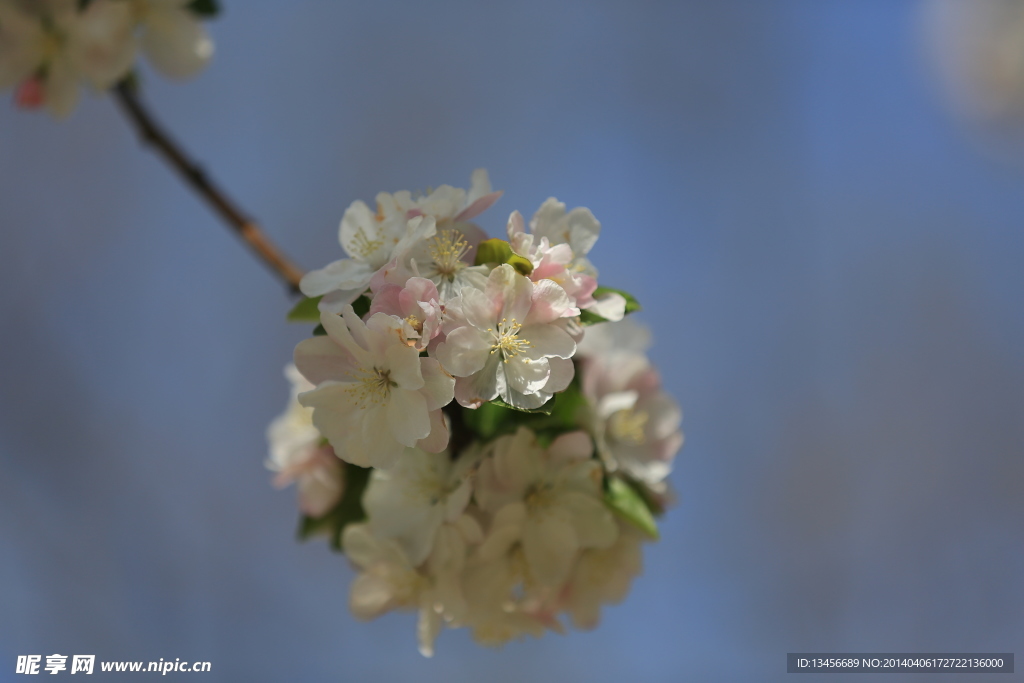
<point>319,331</point>
<point>361,305</point>
<point>587,318</point>
<point>305,311</point>
<point>628,504</point>
<point>543,410</point>
<point>348,510</point>
<point>205,8</point>
<point>556,417</point>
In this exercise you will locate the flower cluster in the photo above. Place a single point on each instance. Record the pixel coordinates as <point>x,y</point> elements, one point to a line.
<point>50,48</point>
<point>473,424</point>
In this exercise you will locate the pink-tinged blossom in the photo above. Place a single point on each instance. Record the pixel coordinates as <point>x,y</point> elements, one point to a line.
<point>416,305</point>
<point>579,230</point>
<point>375,396</point>
<point>635,424</point>
<point>508,340</point>
<point>298,453</point>
<point>552,262</point>
<point>427,236</point>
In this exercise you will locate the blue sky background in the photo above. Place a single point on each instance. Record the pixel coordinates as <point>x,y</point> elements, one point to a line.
<point>829,261</point>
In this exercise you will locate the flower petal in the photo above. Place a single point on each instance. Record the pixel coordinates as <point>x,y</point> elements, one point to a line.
<point>403,364</point>
<point>438,385</point>
<point>549,340</point>
<point>549,545</point>
<point>437,440</point>
<point>176,42</point>
<point>465,351</point>
<point>342,274</point>
<point>408,419</point>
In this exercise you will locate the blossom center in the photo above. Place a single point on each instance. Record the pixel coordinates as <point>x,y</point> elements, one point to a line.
<point>361,246</point>
<point>446,251</point>
<point>629,426</point>
<point>415,323</point>
<point>506,339</point>
<point>371,387</point>
<point>539,497</point>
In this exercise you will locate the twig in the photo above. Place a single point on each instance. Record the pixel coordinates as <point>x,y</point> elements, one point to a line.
<point>247,229</point>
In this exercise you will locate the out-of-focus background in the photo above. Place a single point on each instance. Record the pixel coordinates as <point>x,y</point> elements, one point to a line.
<point>826,230</point>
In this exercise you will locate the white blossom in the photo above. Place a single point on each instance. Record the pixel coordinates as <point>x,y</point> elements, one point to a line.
<point>298,454</point>
<point>52,47</point>
<point>388,580</point>
<point>548,502</point>
<point>173,38</point>
<point>375,395</point>
<point>634,422</point>
<point>507,341</point>
<point>409,502</point>
<point>407,236</point>
<point>602,576</point>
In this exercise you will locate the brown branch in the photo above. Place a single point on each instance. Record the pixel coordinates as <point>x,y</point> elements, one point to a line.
<point>246,228</point>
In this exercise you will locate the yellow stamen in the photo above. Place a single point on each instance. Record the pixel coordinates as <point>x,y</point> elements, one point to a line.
<point>507,341</point>
<point>446,251</point>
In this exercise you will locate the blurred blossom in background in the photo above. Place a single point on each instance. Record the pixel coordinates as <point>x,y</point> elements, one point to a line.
<point>831,270</point>
<point>977,49</point>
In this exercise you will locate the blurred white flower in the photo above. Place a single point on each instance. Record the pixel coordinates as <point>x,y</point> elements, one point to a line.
<point>50,48</point>
<point>173,38</point>
<point>634,422</point>
<point>389,580</point>
<point>602,576</point>
<point>978,48</point>
<point>375,396</point>
<point>548,502</point>
<point>507,341</point>
<point>409,502</point>
<point>298,454</point>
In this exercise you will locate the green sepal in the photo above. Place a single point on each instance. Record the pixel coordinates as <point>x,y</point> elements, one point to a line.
<point>319,331</point>
<point>205,8</point>
<point>499,251</point>
<point>630,505</point>
<point>632,306</point>
<point>348,510</point>
<point>306,311</point>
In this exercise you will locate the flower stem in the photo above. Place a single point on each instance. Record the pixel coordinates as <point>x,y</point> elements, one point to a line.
<point>193,175</point>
